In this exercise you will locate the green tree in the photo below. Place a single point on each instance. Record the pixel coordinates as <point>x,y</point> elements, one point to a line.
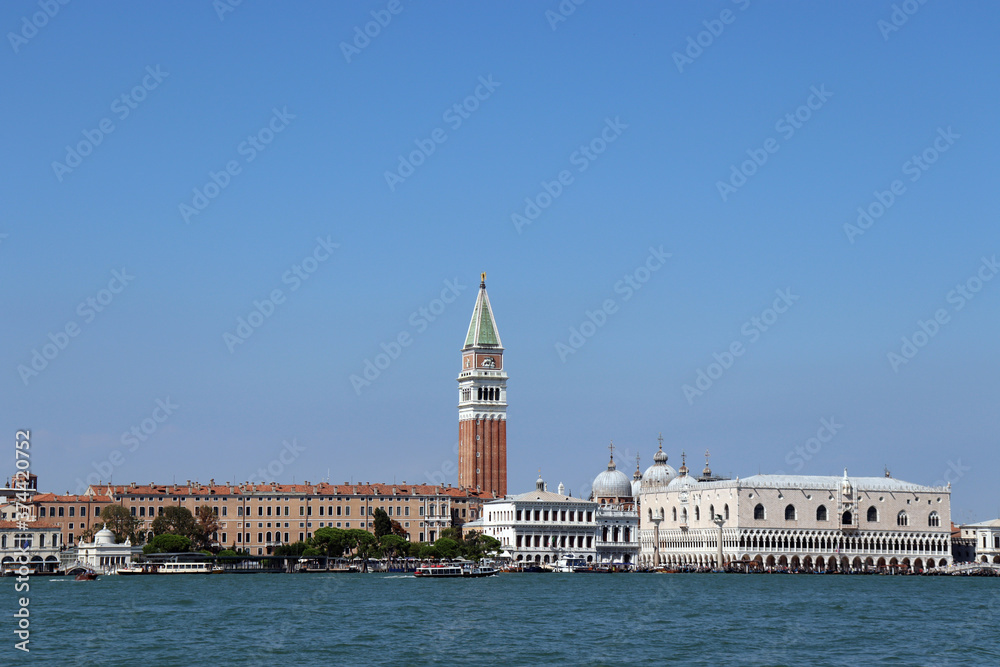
<point>427,552</point>
<point>476,546</point>
<point>206,525</point>
<point>168,543</point>
<point>120,521</point>
<point>330,541</point>
<point>447,548</point>
<point>363,544</point>
<point>293,549</point>
<point>383,524</point>
<point>392,546</point>
<point>175,521</point>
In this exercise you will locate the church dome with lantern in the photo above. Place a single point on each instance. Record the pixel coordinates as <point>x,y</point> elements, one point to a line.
<point>658,474</point>
<point>611,486</point>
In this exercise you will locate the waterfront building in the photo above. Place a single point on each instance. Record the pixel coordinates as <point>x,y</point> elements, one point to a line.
<point>798,522</point>
<point>103,554</point>
<point>260,517</point>
<point>963,543</point>
<point>985,537</point>
<point>617,529</point>
<point>482,404</point>
<point>41,539</point>
<point>540,527</point>
<point>73,514</point>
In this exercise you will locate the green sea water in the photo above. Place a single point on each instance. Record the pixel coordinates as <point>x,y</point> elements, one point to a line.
<point>514,619</point>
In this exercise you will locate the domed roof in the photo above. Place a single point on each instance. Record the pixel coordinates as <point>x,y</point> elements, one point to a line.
<point>659,473</point>
<point>682,481</point>
<point>104,536</point>
<point>612,483</point>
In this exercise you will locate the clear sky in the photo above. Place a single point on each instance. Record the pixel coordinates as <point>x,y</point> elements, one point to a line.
<point>212,157</point>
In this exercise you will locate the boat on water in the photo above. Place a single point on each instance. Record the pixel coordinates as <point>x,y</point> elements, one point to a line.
<point>88,575</point>
<point>570,564</point>
<point>454,571</point>
<point>170,568</point>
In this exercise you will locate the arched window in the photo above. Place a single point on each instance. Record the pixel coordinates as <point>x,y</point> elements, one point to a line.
<point>684,515</point>
<point>675,514</point>
<point>821,514</point>
<point>711,512</point>
<point>697,513</point>
<point>934,520</point>
<point>847,519</point>
<point>758,512</point>
<point>726,512</point>
<point>872,514</point>
<point>650,511</point>
<point>790,513</point>
<point>902,519</point>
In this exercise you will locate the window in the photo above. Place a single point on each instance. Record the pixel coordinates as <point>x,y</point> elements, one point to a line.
<point>902,519</point>
<point>726,512</point>
<point>675,513</point>
<point>711,512</point>
<point>934,520</point>
<point>41,513</point>
<point>142,511</point>
<point>847,519</point>
<point>61,509</point>
<point>72,511</point>
<point>97,511</point>
<point>697,513</point>
<point>758,512</point>
<point>872,514</point>
<point>260,510</point>
<point>790,513</point>
<point>321,510</point>
<point>347,511</point>
<point>821,514</point>
<point>225,511</point>
<point>239,511</point>
<point>406,511</point>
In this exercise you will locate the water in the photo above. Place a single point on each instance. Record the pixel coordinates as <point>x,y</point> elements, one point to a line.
<point>516,619</point>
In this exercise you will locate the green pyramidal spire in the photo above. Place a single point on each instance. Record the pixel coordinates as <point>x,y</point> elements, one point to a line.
<point>482,328</point>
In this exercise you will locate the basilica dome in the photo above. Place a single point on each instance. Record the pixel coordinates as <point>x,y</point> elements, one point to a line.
<point>612,483</point>
<point>659,473</point>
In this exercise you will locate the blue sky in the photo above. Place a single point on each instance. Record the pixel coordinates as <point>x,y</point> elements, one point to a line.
<point>641,126</point>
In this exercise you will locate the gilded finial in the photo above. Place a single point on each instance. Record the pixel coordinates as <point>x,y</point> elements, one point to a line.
<point>482,276</point>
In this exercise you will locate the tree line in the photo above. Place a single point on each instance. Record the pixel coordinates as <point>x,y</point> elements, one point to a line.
<point>178,530</point>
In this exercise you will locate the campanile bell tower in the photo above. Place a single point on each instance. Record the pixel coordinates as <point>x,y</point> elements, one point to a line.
<point>482,404</point>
